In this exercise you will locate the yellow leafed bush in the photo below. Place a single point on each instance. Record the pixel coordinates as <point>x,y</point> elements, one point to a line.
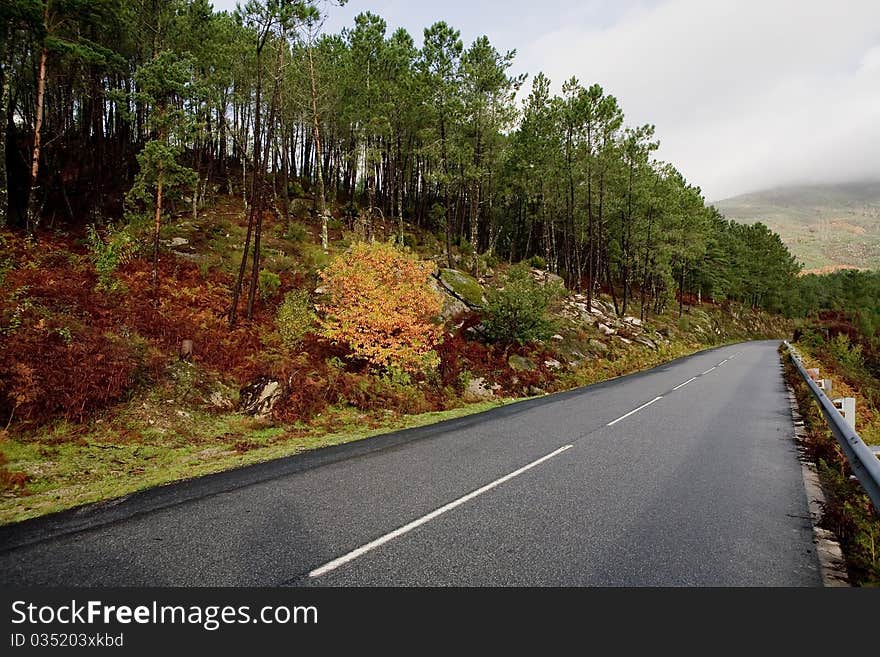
<point>381,306</point>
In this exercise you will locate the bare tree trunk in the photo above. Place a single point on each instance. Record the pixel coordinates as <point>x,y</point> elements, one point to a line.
<point>256,190</point>
<point>591,241</point>
<point>32,218</point>
<point>5,84</point>
<point>322,202</point>
<point>259,173</point>
<point>156,228</point>
<point>475,228</point>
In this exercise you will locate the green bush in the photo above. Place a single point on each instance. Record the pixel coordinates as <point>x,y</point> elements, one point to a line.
<point>518,312</point>
<point>269,283</point>
<point>812,339</point>
<point>846,353</point>
<point>109,252</point>
<point>295,317</point>
<point>295,189</point>
<point>537,262</point>
<point>296,232</point>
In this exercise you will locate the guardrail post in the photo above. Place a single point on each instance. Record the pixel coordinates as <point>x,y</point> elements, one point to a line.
<point>846,406</point>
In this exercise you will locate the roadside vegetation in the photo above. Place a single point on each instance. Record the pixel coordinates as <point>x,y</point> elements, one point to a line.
<point>840,337</point>
<point>848,511</point>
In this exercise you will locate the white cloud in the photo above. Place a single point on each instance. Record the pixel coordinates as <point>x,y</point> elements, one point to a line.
<point>745,94</point>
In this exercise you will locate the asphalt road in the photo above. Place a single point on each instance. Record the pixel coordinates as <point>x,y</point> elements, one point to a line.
<point>700,486</point>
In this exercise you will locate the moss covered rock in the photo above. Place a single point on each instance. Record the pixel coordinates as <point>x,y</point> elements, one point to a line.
<point>465,287</point>
<point>521,364</point>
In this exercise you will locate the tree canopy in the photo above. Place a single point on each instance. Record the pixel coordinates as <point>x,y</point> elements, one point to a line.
<point>170,96</point>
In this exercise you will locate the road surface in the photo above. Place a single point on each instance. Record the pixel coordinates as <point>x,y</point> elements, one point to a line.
<point>685,475</point>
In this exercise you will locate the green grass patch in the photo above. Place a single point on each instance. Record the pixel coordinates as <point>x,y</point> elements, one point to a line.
<point>68,466</point>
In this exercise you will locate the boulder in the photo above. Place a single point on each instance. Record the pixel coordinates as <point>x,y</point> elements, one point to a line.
<point>478,390</point>
<point>606,330</point>
<point>599,346</point>
<point>535,391</point>
<point>452,306</point>
<point>521,364</point>
<point>635,321</point>
<point>546,277</point>
<point>463,286</point>
<point>259,397</point>
<point>645,341</point>
<point>552,364</point>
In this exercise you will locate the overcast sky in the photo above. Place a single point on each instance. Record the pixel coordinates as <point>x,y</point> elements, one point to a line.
<point>745,94</point>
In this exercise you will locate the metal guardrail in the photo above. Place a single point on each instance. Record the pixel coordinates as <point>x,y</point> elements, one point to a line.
<point>864,463</point>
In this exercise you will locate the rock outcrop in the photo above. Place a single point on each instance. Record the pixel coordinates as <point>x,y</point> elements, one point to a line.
<point>259,397</point>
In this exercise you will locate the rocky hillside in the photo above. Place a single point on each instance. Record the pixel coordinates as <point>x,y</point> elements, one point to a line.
<point>108,386</point>
<point>826,226</point>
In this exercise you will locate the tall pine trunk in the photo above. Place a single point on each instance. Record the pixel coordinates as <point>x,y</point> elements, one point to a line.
<point>157,227</point>
<point>5,84</point>
<point>322,200</point>
<point>32,211</point>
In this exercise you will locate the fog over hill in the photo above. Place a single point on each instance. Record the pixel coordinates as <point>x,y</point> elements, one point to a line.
<point>824,225</point>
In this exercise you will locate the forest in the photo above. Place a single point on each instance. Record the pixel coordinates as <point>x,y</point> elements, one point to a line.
<point>130,112</point>
<point>127,120</point>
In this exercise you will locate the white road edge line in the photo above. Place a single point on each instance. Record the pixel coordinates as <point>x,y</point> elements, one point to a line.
<point>682,385</point>
<point>634,411</point>
<point>372,545</point>
<point>707,371</point>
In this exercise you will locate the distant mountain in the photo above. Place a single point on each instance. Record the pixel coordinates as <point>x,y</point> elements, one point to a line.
<point>826,226</point>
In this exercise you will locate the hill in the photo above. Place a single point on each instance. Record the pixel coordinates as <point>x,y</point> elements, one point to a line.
<point>98,399</point>
<point>825,226</point>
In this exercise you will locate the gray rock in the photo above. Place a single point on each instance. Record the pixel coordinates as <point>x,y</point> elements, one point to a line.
<point>552,364</point>
<point>546,277</point>
<point>451,305</point>
<point>521,363</point>
<point>597,345</point>
<point>535,391</point>
<point>645,341</point>
<point>479,390</point>
<point>259,397</point>
<point>607,330</point>
<point>463,286</point>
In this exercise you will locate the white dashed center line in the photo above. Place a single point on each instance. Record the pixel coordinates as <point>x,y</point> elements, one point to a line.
<point>682,385</point>
<point>712,369</point>
<point>634,411</point>
<point>372,545</point>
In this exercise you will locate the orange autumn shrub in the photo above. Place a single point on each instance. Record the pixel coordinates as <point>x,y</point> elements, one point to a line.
<point>380,305</point>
